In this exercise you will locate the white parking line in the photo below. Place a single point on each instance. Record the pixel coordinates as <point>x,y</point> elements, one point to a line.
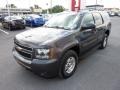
<point>4,31</point>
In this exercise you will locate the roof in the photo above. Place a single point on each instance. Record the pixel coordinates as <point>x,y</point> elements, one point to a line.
<point>89,11</point>
<point>95,5</point>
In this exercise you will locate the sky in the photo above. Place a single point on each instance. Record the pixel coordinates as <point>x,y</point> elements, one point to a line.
<point>66,3</point>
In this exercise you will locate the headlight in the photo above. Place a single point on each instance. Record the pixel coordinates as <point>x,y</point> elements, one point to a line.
<point>45,53</point>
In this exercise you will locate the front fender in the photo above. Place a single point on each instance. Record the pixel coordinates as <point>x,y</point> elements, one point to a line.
<point>65,44</point>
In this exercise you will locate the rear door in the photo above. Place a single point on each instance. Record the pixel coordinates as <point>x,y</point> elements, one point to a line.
<point>100,26</point>
<point>88,37</point>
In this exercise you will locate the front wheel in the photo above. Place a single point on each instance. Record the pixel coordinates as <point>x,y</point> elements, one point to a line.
<point>23,27</point>
<point>104,42</point>
<point>69,64</point>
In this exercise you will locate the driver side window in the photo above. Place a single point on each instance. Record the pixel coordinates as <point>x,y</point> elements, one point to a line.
<point>88,19</point>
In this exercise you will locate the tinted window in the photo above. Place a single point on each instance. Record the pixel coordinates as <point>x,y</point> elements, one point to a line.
<point>98,19</point>
<point>105,16</point>
<point>34,16</point>
<point>88,19</point>
<point>12,18</point>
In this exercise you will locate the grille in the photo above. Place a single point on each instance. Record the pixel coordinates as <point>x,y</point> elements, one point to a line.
<point>19,21</point>
<point>25,52</point>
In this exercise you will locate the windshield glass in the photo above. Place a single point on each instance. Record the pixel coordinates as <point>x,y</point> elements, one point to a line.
<point>13,18</point>
<point>64,21</point>
<point>33,16</point>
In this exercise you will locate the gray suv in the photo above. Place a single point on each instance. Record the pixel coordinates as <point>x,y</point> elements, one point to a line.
<point>55,48</point>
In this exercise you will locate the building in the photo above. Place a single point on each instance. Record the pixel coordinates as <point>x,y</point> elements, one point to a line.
<point>95,7</point>
<point>15,11</point>
<point>35,10</point>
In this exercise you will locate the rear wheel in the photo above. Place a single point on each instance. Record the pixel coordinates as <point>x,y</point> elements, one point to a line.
<point>22,27</point>
<point>104,42</point>
<point>9,26</point>
<point>69,64</point>
<point>3,25</point>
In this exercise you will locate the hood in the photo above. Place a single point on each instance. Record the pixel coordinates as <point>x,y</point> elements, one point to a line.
<point>42,35</point>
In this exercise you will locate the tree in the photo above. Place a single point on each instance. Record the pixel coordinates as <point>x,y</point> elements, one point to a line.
<point>36,7</point>
<point>44,11</point>
<point>11,6</point>
<point>32,9</point>
<point>57,9</point>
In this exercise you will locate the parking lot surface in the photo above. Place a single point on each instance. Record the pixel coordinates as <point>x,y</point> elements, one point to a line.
<point>100,70</point>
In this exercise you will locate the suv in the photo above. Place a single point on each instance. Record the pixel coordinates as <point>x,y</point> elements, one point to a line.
<point>55,48</point>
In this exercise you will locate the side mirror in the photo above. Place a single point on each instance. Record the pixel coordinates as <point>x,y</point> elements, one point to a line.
<point>88,26</point>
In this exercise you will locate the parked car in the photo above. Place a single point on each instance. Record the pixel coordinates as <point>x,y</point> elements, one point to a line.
<point>112,13</point>
<point>55,48</point>
<point>2,16</point>
<point>48,16</point>
<point>119,13</point>
<point>13,22</point>
<point>34,20</point>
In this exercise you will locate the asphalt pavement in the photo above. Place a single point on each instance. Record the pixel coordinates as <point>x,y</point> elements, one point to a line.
<point>100,70</point>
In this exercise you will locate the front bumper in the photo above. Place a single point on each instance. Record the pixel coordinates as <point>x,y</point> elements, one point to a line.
<point>34,24</point>
<point>45,68</point>
<point>17,26</point>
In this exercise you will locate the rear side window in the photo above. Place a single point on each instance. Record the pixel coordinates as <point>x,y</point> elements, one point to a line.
<point>105,16</point>
<point>98,19</point>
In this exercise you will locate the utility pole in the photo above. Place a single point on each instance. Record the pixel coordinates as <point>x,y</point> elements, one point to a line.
<point>51,5</point>
<point>8,7</point>
<point>96,4</point>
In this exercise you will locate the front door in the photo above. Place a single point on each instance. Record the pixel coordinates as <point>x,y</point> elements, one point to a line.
<point>88,36</point>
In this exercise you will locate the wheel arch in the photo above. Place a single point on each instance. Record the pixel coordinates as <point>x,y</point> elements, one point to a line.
<point>107,32</point>
<point>74,47</point>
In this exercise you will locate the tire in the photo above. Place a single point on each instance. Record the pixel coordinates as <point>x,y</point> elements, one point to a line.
<point>69,64</point>
<point>9,27</point>
<point>104,42</point>
<point>23,27</point>
<point>3,25</point>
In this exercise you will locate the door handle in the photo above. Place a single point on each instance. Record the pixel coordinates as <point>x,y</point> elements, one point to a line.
<point>94,30</point>
<point>88,30</point>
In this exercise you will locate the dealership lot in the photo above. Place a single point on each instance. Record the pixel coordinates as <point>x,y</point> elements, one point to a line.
<point>98,71</point>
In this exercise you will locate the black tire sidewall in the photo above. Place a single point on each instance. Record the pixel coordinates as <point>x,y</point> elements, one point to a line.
<point>102,43</point>
<point>68,54</point>
<point>22,27</point>
<point>10,27</point>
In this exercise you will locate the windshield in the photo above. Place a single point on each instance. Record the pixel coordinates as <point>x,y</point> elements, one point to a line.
<point>13,18</point>
<point>63,21</point>
<point>32,16</point>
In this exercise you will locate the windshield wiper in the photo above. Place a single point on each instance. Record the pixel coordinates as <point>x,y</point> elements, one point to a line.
<point>61,27</point>
<point>57,27</point>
